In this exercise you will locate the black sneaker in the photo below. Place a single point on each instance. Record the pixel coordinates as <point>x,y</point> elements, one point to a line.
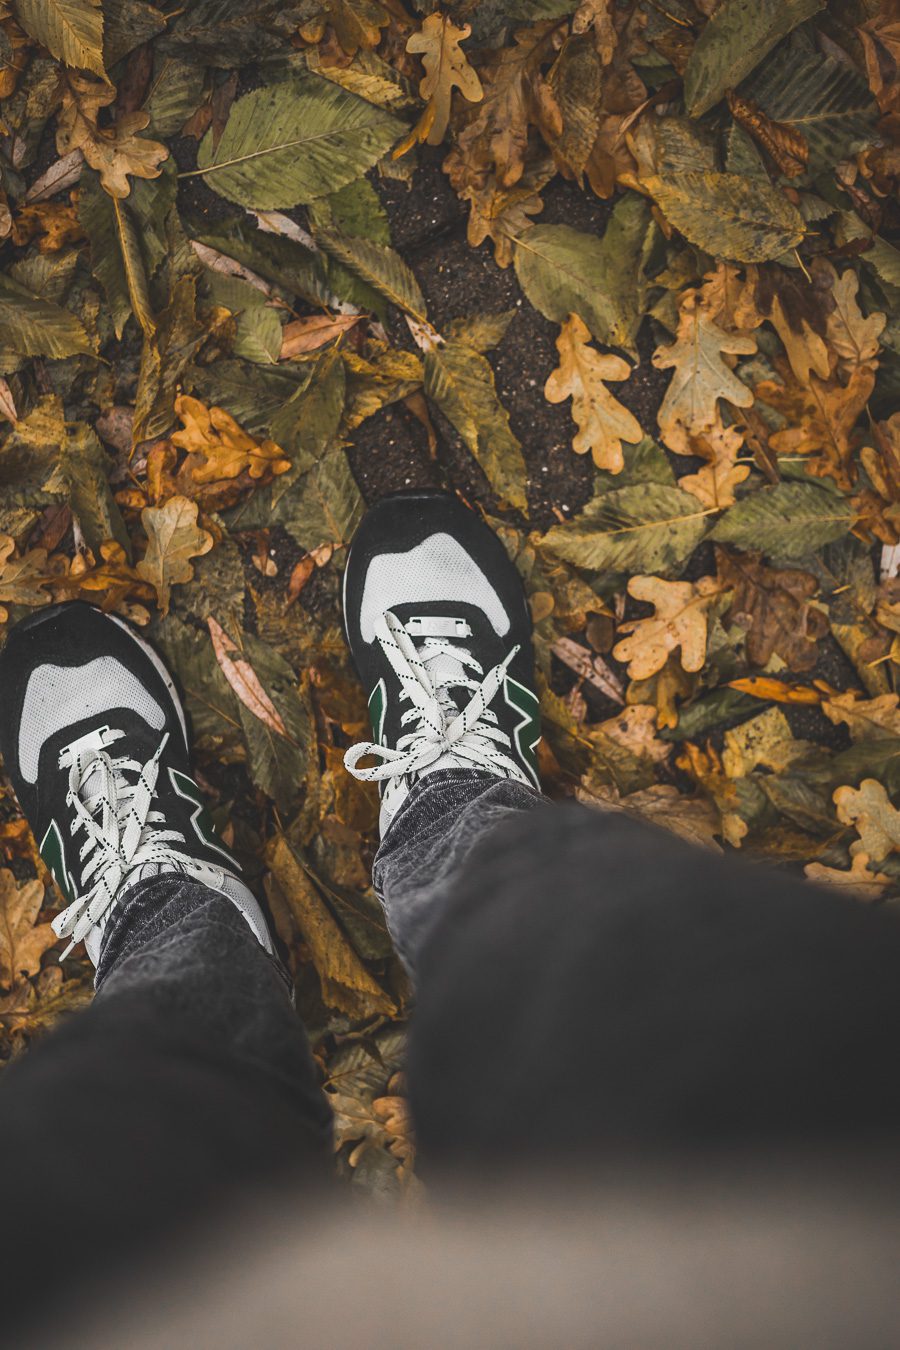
<point>94,741</point>
<point>440,631</point>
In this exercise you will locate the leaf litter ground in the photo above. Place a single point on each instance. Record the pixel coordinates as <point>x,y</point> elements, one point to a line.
<point>288,334</point>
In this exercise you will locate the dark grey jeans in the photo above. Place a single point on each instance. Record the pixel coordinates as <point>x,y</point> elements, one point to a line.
<point>588,989</point>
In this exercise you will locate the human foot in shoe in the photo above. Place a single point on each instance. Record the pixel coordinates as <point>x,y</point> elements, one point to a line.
<point>94,741</point>
<point>440,631</point>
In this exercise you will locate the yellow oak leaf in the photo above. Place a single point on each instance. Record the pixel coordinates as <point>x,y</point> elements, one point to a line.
<point>859,883</point>
<point>446,68</point>
<point>22,580</point>
<point>174,538</point>
<point>806,350</point>
<point>680,622</point>
<point>115,151</point>
<point>226,449</point>
<point>714,484</point>
<point>869,810</point>
<point>700,376</point>
<point>866,718</point>
<point>603,423</point>
<point>22,940</point>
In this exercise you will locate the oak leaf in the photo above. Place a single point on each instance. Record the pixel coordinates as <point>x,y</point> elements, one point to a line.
<point>773,604</point>
<point>820,419</point>
<point>859,883</point>
<point>174,538</point>
<point>865,718</point>
<point>679,624</point>
<point>446,68</point>
<point>850,335</point>
<point>602,421</point>
<point>22,940</point>
<point>22,580</point>
<point>880,39</point>
<point>869,810</point>
<point>222,448</point>
<point>700,376</point>
<point>115,151</point>
<point>714,484</point>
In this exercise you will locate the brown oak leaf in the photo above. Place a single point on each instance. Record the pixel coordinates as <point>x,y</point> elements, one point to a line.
<point>174,538</point>
<point>679,624</point>
<point>23,941</point>
<point>603,422</point>
<point>773,604</point>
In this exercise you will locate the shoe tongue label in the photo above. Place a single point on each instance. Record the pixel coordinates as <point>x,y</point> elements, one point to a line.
<point>98,739</point>
<point>421,625</point>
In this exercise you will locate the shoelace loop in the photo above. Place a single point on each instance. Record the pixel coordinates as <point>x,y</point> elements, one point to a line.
<point>110,800</point>
<point>437,727</point>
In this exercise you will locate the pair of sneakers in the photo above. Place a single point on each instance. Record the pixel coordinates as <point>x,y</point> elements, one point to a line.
<point>95,740</point>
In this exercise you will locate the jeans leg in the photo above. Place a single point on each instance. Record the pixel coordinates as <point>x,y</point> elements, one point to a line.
<point>429,841</point>
<point>590,987</point>
<point>185,1089</point>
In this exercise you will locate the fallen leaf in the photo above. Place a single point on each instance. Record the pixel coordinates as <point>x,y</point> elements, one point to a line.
<point>23,941</point>
<point>700,375</point>
<point>345,982</point>
<point>820,419</point>
<point>850,335</point>
<point>308,335</point>
<point>784,143</point>
<point>22,580</point>
<point>869,810</point>
<point>603,423</point>
<point>866,718</point>
<point>174,537</point>
<point>222,448</point>
<point>773,605</point>
<point>115,151</point>
<point>679,624</point>
<point>859,883</point>
<point>446,68</point>
<point>244,680</point>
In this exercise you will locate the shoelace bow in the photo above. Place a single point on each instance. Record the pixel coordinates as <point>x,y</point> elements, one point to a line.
<point>437,727</point>
<point>110,799</point>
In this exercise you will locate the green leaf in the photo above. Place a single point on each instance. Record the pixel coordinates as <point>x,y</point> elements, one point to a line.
<point>380,266</point>
<point>729,216</point>
<point>34,327</point>
<point>645,528</point>
<point>116,258</point>
<point>564,271</point>
<point>258,326</point>
<point>461,382</point>
<point>253,395</point>
<point>175,93</point>
<point>289,143</point>
<point>276,763</point>
<point>357,211</point>
<point>734,41</point>
<point>323,506</point>
<point>789,520</point>
<point>128,24</point>
<point>308,422</point>
<point>85,466</point>
<point>71,30</point>
<point>284,262</point>
<point>827,100</point>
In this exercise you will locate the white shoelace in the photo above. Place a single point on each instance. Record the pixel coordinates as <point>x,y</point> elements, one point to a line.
<point>110,800</point>
<point>437,726</point>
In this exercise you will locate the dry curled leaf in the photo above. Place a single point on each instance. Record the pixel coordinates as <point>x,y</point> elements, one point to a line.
<point>220,448</point>
<point>602,421</point>
<point>773,604</point>
<point>784,143</point>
